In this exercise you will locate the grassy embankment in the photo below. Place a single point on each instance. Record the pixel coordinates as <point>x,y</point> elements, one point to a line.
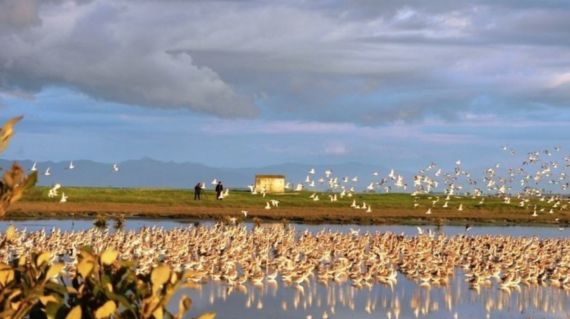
<point>294,206</point>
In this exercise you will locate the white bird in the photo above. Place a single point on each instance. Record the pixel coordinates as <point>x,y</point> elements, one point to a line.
<point>354,231</point>
<point>274,203</point>
<point>34,168</point>
<point>369,210</point>
<point>215,181</point>
<point>71,166</point>
<point>428,211</point>
<point>420,231</point>
<point>47,172</point>
<point>312,171</point>
<point>53,191</point>
<point>460,208</point>
<point>267,205</point>
<point>63,198</point>
<point>244,212</point>
<point>115,167</point>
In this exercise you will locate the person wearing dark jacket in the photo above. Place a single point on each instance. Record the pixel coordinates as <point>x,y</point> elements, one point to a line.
<point>197,191</point>
<point>219,190</point>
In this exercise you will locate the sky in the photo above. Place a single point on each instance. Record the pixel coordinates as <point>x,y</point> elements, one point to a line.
<point>254,83</point>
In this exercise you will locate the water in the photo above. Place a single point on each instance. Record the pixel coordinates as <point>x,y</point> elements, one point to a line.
<point>404,300</point>
<point>134,224</point>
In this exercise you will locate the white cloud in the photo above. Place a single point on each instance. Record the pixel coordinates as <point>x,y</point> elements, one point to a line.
<point>336,148</point>
<point>311,61</point>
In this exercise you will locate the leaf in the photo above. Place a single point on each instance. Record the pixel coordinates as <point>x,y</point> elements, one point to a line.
<point>160,275</point>
<point>105,310</point>
<point>6,276</point>
<point>43,258</point>
<point>7,131</point>
<point>17,193</point>
<point>13,295</point>
<point>54,270</point>
<point>75,313</point>
<point>207,315</point>
<point>158,313</point>
<point>53,310</point>
<point>85,267</point>
<point>11,233</point>
<point>22,261</point>
<point>109,256</point>
<point>47,299</point>
<point>31,180</point>
<point>183,306</point>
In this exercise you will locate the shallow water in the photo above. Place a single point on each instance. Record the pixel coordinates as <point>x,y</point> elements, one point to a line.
<point>133,224</point>
<point>404,300</point>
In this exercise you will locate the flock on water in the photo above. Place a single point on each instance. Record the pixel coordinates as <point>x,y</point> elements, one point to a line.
<point>233,254</point>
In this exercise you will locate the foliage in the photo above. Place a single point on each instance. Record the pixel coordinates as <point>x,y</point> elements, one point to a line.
<point>100,222</point>
<point>119,222</point>
<point>101,286</point>
<point>14,181</point>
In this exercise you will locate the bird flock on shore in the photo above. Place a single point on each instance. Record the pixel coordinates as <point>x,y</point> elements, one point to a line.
<point>537,184</point>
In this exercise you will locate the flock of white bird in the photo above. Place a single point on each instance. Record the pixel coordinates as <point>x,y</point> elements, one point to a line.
<point>539,173</point>
<point>540,176</point>
<point>234,256</point>
<point>53,192</point>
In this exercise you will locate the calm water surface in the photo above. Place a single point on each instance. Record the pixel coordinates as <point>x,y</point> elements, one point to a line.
<point>404,300</point>
<point>134,224</point>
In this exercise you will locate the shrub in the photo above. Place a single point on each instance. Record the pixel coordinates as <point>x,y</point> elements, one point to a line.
<point>100,286</point>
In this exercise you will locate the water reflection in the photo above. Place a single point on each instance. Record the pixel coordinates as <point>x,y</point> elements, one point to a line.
<point>404,300</point>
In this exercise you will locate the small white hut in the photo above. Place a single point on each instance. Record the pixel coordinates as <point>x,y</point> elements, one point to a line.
<point>270,183</point>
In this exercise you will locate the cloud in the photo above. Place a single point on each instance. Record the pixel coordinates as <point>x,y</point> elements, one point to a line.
<point>336,148</point>
<point>98,50</point>
<point>364,62</point>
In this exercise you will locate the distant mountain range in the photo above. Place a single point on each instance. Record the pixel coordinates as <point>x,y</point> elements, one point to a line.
<point>148,172</point>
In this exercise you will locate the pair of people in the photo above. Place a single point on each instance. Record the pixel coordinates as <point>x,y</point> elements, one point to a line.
<point>200,186</point>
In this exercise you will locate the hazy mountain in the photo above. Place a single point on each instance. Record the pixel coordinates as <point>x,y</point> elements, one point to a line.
<point>147,172</point>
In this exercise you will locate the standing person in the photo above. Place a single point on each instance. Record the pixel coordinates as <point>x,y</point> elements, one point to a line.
<point>197,191</point>
<point>219,190</point>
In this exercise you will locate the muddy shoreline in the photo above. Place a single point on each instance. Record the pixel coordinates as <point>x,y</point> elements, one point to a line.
<point>42,210</point>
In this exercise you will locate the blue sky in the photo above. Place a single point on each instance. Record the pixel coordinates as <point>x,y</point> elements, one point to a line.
<point>250,83</point>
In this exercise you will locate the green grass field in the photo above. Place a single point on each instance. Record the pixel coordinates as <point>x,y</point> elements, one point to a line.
<point>243,199</point>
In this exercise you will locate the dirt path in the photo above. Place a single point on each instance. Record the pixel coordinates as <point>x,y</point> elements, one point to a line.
<point>308,215</point>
